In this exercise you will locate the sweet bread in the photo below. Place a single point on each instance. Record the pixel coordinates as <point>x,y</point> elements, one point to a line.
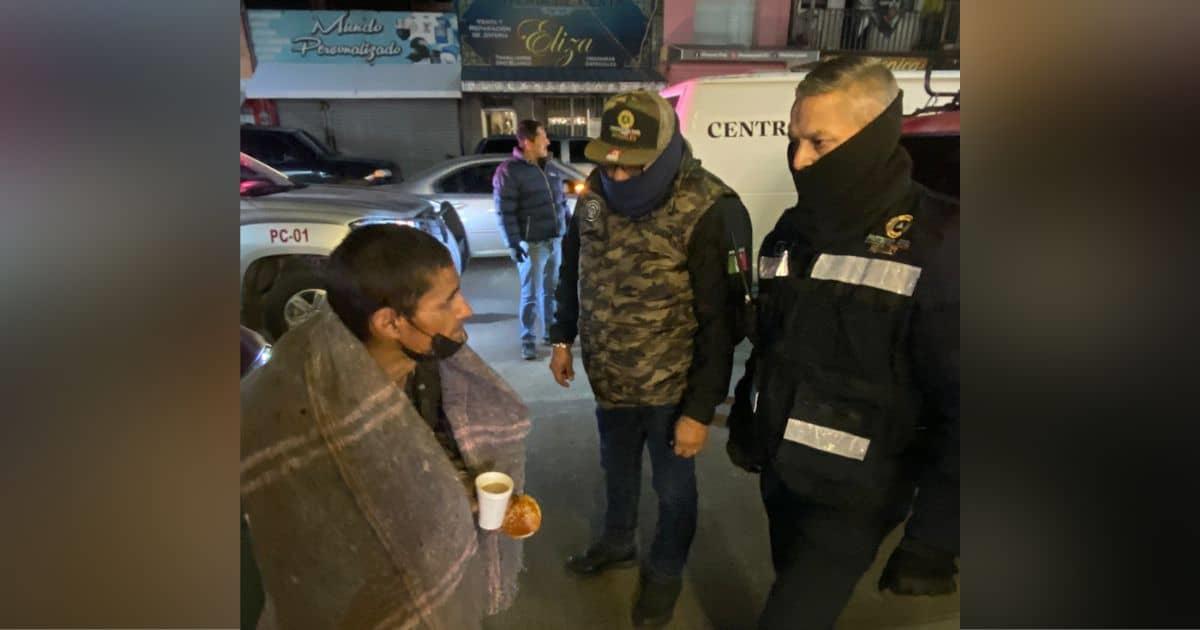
<point>523,518</point>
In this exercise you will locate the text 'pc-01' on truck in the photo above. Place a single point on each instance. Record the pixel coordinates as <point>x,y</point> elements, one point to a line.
<point>288,230</point>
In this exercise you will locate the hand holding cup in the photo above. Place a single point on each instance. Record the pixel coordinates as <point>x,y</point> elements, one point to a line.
<point>518,516</point>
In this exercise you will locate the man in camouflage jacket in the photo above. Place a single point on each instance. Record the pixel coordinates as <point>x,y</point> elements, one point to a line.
<point>653,281</point>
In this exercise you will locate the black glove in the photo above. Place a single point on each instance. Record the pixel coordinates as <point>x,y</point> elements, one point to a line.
<point>916,569</point>
<point>744,447</point>
<point>517,253</point>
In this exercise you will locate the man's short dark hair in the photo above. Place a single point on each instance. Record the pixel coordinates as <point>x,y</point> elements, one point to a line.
<point>378,266</point>
<point>527,130</point>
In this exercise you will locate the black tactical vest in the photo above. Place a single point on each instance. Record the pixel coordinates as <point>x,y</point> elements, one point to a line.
<point>833,397</point>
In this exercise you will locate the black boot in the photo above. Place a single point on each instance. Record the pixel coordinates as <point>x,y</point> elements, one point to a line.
<point>600,557</point>
<point>655,600</point>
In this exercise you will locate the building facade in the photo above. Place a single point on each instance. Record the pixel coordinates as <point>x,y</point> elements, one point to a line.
<point>719,37</point>
<point>379,84</point>
<point>553,61</point>
<point>417,86</point>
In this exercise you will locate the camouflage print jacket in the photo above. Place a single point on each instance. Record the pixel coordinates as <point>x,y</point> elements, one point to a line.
<point>657,302</point>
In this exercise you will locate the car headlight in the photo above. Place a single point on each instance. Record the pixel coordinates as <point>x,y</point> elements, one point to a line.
<point>264,355</point>
<point>354,225</point>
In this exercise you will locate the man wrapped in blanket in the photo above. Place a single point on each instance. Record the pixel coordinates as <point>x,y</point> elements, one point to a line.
<point>361,439</point>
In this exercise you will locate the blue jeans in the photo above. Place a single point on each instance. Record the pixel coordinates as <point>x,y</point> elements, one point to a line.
<point>623,432</point>
<point>539,277</point>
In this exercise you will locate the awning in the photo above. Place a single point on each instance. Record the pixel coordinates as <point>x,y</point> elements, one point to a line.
<point>317,80</point>
<point>559,80</point>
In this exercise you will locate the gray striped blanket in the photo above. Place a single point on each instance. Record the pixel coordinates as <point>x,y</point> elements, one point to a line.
<point>358,516</point>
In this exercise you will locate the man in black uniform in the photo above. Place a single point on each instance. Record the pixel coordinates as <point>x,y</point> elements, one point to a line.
<point>849,405</point>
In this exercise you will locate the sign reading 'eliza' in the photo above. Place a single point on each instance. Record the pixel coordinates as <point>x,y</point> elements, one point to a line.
<point>549,39</point>
<point>591,34</point>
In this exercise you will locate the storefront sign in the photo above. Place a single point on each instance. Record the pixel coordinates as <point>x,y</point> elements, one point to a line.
<point>754,55</point>
<point>354,37</point>
<point>592,34</point>
<point>940,60</point>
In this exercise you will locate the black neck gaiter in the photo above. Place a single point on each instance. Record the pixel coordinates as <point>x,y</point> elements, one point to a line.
<point>846,191</point>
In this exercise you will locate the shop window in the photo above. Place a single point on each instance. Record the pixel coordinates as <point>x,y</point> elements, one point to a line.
<point>568,116</point>
<point>724,22</point>
<point>500,121</point>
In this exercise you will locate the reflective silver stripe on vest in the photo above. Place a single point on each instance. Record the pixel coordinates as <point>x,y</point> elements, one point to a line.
<point>773,266</point>
<point>826,439</point>
<point>871,272</point>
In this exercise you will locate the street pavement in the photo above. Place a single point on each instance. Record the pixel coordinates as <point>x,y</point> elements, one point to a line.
<point>729,570</point>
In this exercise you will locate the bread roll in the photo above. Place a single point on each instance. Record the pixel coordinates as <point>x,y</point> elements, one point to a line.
<point>523,518</point>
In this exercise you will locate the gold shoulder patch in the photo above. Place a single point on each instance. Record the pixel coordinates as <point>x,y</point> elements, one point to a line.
<point>898,225</point>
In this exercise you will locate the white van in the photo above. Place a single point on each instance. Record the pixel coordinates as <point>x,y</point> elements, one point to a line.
<point>737,126</point>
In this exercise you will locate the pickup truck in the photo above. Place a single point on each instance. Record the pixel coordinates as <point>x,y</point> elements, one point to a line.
<point>305,159</point>
<point>288,230</point>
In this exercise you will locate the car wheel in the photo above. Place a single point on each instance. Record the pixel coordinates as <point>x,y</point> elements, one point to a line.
<point>294,297</point>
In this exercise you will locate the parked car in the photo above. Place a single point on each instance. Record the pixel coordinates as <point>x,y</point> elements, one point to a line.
<point>289,228</point>
<point>303,158</point>
<point>573,146</point>
<point>466,183</point>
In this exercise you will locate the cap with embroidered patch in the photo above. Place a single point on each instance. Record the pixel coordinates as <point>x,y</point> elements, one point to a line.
<point>635,128</point>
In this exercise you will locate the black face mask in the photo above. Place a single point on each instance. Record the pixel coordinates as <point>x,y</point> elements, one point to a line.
<point>849,189</point>
<point>441,347</point>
